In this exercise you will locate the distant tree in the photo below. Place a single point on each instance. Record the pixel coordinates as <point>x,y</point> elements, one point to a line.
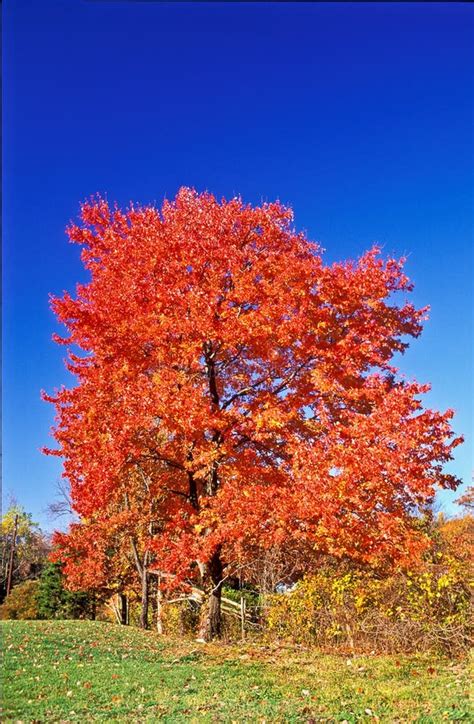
<point>457,538</point>
<point>467,499</point>
<point>24,548</point>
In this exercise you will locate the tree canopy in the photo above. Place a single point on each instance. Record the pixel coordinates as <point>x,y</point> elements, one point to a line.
<point>235,391</point>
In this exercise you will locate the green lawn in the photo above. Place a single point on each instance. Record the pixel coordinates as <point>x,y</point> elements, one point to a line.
<point>84,670</point>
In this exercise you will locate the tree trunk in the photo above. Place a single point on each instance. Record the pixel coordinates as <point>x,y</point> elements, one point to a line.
<point>210,623</point>
<point>159,622</point>
<point>142,568</point>
<point>145,599</point>
<point>123,609</point>
<point>12,557</point>
<point>93,607</point>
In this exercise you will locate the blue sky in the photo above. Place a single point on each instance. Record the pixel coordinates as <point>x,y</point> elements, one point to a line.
<point>357,115</point>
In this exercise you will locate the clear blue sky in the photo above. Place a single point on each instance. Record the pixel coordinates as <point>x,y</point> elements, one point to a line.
<point>359,116</point>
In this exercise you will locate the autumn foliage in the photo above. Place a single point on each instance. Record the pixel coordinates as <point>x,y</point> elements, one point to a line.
<point>235,392</point>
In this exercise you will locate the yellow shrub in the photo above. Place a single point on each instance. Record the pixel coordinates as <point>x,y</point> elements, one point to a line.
<point>357,609</point>
<point>21,603</point>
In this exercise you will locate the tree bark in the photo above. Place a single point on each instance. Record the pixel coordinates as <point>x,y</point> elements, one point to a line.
<point>123,609</point>
<point>159,622</point>
<point>210,623</point>
<point>142,568</point>
<point>145,599</point>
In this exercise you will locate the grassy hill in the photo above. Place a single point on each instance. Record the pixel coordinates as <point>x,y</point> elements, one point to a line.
<point>85,670</point>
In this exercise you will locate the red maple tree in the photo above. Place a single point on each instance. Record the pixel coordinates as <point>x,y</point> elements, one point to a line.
<point>245,386</point>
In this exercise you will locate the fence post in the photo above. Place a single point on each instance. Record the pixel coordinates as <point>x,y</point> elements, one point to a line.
<point>242,616</point>
<point>159,623</point>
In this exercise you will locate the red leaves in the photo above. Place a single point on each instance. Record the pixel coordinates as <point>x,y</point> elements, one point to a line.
<point>240,391</point>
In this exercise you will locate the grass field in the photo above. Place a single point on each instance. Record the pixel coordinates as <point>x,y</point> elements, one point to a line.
<point>84,670</point>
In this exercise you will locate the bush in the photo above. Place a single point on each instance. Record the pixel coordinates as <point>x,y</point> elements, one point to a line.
<point>180,618</point>
<point>22,602</point>
<point>356,610</point>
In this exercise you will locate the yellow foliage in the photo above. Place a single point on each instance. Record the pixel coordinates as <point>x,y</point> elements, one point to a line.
<point>21,603</point>
<point>337,607</point>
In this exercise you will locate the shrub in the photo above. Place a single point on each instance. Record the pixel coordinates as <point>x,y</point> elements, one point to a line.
<point>180,618</point>
<point>427,609</point>
<point>22,602</point>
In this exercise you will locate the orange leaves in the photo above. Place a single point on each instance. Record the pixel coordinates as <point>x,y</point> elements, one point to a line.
<point>249,383</point>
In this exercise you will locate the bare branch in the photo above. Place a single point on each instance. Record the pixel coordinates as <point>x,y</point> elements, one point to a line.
<point>63,505</point>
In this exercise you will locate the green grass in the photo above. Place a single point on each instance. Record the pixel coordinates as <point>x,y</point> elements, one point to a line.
<point>84,670</point>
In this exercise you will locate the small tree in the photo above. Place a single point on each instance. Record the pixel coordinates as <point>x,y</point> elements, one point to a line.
<point>51,594</point>
<point>55,601</point>
<point>23,548</point>
<point>104,556</point>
